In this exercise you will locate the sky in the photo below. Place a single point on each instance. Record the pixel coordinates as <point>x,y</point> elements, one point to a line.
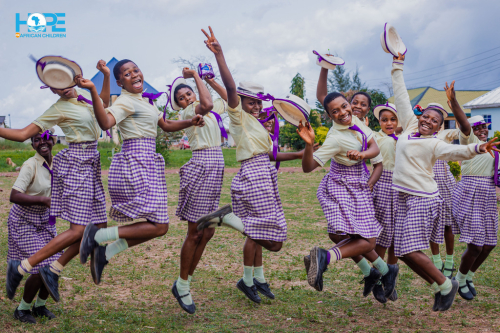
<point>267,42</point>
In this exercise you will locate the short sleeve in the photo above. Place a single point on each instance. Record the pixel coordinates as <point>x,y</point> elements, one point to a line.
<point>121,109</point>
<point>49,118</point>
<point>377,159</point>
<point>329,149</point>
<point>190,111</point>
<point>236,114</point>
<point>25,177</point>
<point>220,106</point>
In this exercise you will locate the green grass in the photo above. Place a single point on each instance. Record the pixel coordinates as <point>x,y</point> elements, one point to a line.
<point>135,296</point>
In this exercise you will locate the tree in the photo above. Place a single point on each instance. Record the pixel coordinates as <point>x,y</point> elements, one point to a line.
<point>298,87</point>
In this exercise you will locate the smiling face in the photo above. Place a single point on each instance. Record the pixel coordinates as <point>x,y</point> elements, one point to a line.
<point>131,78</point>
<point>251,105</point>
<point>360,106</point>
<point>481,131</point>
<point>388,122</point>
<point>42,145</point>
<point>65,93</point>
<point>430,122</point>
<point>185,97</point>
<point>340,111</point>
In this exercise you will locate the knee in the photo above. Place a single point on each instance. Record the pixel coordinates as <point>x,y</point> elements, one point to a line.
<point>276,247</point>
<point>195,236</point>
<point>208,234</point>
<point>488,248</point>
<point>474,250</point>
<point>161,229</point>
<point>372,243</point>
<point>335,238</point>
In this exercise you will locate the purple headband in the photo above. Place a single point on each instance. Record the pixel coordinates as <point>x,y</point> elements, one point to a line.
<point>47,135</point>
<point>320,58</point>
<point>387,106</point>
<point>479,123</point>
<point>385,41</point>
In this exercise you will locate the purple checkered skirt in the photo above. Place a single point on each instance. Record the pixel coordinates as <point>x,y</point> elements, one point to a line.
<point>29,231</point>
<point>256,199</point>
<point>385,202</point>
<point>77,191</point>
<point>347,202</point>
<point>200,184</point>
<point>475,209</point>
<point>137,184</point>
<point>417,223</point>
<point>446,183</point>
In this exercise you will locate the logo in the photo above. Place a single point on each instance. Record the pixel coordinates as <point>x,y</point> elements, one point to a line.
<point>39,24</point>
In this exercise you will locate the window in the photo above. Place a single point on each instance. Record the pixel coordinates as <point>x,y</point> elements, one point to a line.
<point>449,124</point>
<point>487,118</point>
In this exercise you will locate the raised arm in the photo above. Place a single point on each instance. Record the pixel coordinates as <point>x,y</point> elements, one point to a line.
<point>307,134</point>
<point>214,46</point>
<point>178,125</point>
<point>19,135</point>
<point>206,105</point>
<point>105,91</point>
<point>218,88</point>
<point>322,90</point>
<point>456,109</point>
<point>105,120</point>
<point>401,98</point>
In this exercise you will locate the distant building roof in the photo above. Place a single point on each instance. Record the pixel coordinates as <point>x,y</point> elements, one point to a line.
<point>2,119</point>
<point>489,100</point>
<point>115,89</point>
<point>425,95</point>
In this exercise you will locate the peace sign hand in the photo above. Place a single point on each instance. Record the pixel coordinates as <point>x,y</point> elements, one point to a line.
<point>450,91</point>
<point>489,146</point>
<point>212,43</point>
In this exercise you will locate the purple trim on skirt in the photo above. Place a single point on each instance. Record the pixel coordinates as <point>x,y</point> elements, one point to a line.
<point>29,232</point>
<point>200,184</point>
<point>385,202</point>
<point>77,191</point>
<point>446,183</point>
<point>475,210</point>
<point>256,200</point>
<point>347,202</point>
<point>137,184</point>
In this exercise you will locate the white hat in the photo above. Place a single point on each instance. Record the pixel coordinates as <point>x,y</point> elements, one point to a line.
<point>436,106</point>
<point>387,106</point>
<point>391,42</point>
<point>477,120</point>
<point>57,72</point>
<point>171,97</point>
<point>293,109</point>
<point>328,61</point>
<point>252,90</point>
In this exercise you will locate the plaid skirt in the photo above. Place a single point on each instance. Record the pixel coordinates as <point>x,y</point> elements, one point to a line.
<point>446,183</point>
<point>29,232</point>
<point>347,202</point>
<point>475,209</point>
<point>418,221</point>
<point>77,191</point>
<point>200,184</point>
<point>256,200</point>
<point>137,184</point>
<point>385,202</point>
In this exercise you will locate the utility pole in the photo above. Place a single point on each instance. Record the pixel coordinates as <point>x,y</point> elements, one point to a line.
<point>10,123</point>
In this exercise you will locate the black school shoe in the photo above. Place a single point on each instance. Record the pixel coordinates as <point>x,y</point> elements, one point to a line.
<point>448,272</point>
<point>394,296</point>
<point>437,298</point>
<point>471,288</point>
<point>468,296</point>
<point>370,281</point>
<point>389,280</point>
<point>188,308</point>
<point>13,278</point>
<point>319,265</point>
<point>204,221</point>
<point>97,263</point>
<point>42,311</point>
<point>250,292</point>
<point>263,288</point>
<point>446,301</point>
<point>88,243</point>
<point>24,316</point>
<point>379,293</point>
<point>51,281</point>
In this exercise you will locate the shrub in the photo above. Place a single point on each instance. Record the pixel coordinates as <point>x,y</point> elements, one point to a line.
<point>321,133</point>
<point>455,169</point>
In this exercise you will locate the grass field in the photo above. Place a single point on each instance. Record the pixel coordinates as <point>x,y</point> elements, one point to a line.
<point>135,293</point>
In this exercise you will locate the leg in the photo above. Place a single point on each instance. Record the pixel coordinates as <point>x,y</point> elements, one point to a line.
<point>246,284</point>
<point>269,245</point>
<point>33,284</point>
<point>357,246</point>
<point>414,267</point>
<point>142,230</point>
<point>418,258</point>
<point>207,235</point>
<point>337,239</point>
<point>391,257</point>
<point>257,262</point>
<point>482,257</point>
<point>380,251</point>
<point>449,239</point>
<point>469,258</point>
<point>249,252</point>
<point>434,248</point>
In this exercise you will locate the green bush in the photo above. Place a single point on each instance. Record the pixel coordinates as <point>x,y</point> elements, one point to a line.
<point>455,169</point>
<point>321,133</point>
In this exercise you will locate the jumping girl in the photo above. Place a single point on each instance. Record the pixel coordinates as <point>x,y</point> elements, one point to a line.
<point>29,228</point>
<point>200,178</point>
<point>419,202</point>
<point>77,191</point>
<point>474,199</point>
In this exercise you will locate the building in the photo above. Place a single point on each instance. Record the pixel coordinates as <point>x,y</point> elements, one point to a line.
<point>115,91</point>
<point>425,95</point>
<point>488,106</point>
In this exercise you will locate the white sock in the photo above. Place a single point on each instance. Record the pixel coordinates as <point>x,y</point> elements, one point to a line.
<point>106,234</point>
<point>116,247</point>
<point>25,267</point>
<point>56,267</point>
<point>230,220</point>
<point>183,289</point>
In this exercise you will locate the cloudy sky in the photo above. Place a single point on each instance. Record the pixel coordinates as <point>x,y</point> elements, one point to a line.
<point>264,41</point>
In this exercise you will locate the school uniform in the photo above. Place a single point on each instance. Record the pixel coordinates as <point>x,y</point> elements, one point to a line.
<point>137,184</point>
<point>344,193</point>
<point>29,228</point>
<point>254,190</point>
<point>77,191</point>
<point>475,200</point>
<point>201,178</point>
<point>385,198</point>
<point>418,218</point>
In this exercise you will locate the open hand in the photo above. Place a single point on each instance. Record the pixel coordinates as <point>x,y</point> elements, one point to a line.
<point>489,146</point>
<point>450,91</point>
<point>212,43</point>
<point>198,121</point>
<point>83,83</point>
<point>306,133</point>
<point>355,155</point>
<point>399,57</point>
<point>188,73</point>
<point>101,66</point>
